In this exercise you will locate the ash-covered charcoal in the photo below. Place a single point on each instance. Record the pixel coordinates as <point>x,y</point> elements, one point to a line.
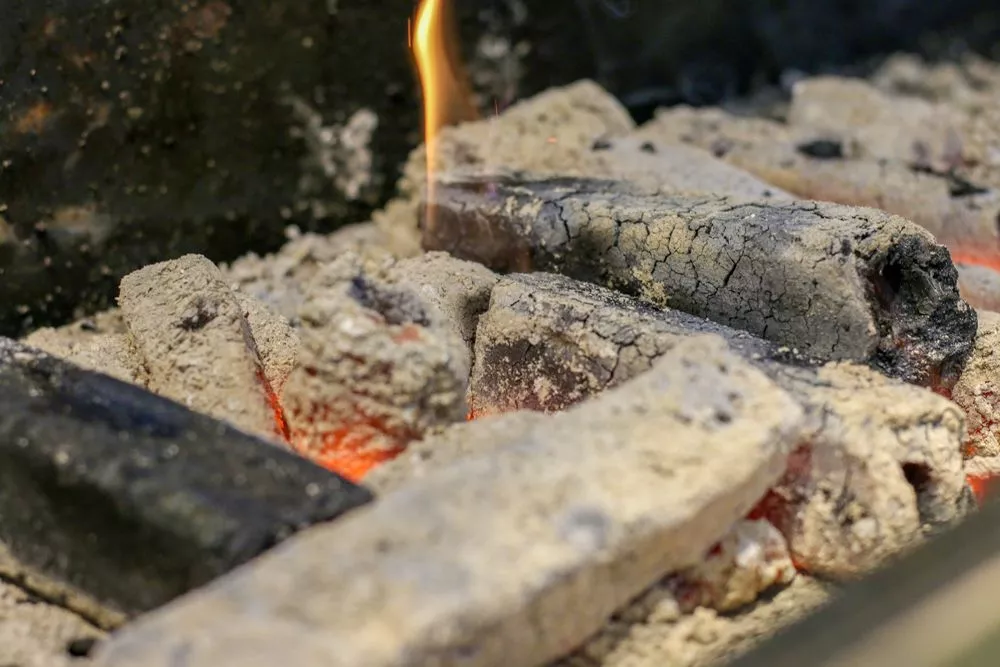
<point>453,443</point>
<point>884,467</point>
<point>750,559</point>
<point>108,353</point>
<point>548,341</point>
<point>195,344</point>
<point>116,500</point>
<point>874,124</point>
<point>579,130</point>
<point>558,131</point>
<point>375,371</point>
<point>277,280</point>
<point>453,293</point>
<point>670,168</point>
<point>833,281</point>
<point>979,286</point>
<point>511,557</point>
<point>929,163</point>
<point>276,342</point>
<point>978,389</point>
<point>884,458</point>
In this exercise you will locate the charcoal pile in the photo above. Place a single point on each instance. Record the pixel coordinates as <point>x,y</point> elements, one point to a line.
<point>592,395</point>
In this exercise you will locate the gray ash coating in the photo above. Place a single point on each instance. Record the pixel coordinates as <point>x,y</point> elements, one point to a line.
<point>835,282</point>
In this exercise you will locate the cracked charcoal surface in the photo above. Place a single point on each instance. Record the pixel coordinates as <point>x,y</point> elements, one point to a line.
<point>118,500</point>
<point>548,342</point>
<point>832,281</point>
<point>577,130</point>
<point>574,545</point>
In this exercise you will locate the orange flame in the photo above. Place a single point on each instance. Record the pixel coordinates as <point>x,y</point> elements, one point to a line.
<point>447,97</point>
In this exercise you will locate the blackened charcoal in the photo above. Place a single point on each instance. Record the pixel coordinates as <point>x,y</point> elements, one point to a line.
<point>126,500</point>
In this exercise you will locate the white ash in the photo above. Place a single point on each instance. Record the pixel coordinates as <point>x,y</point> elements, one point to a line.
<point>749,560</point>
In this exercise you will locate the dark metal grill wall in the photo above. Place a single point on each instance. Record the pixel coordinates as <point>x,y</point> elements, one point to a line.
<point>136,130</point>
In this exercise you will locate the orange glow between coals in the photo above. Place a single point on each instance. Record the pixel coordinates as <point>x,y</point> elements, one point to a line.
<point>447,96</point>
<point>982,487</point>
<point>986,258</point>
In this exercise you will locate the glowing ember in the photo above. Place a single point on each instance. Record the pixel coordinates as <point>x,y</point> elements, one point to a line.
<point>350,450</point>
<point>986,259</point>
<point>280,423</point>
<point>982,487</point>
<point>446,94</point>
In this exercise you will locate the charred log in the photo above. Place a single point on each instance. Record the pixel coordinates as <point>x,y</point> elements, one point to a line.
<point>117,500</point>
<point>834,282</point>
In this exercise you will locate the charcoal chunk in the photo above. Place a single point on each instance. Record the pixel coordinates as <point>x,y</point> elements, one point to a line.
<point>837,282</point>
<point>122,500</point>
<point>883,459</point>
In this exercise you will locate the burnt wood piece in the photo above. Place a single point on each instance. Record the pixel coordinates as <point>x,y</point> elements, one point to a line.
<point>125,500</point>
<point>834,282</point>
<point>888,451</point>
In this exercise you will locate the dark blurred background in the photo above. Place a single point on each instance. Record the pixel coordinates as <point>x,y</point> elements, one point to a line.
<point>137,130</point>
<point>657,52</point>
